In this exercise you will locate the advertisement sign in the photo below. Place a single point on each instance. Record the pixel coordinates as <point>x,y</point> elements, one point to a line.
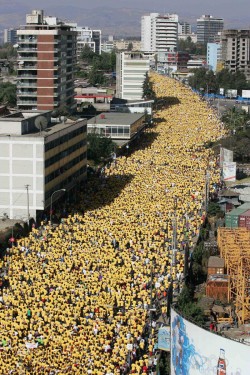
<point>164,338</point>
<point>225,155</point>
<point>229,171</point>
<point>246,94</point>
<point>221,91</point>
<point>195,351</point>
<point>231,93</point>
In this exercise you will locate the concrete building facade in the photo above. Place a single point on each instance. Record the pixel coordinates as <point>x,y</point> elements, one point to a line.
<point>34,163</point>
<point>213,55</point>
<point>131,69</point>
<point>208,28</point>
<point>46,63</point>
<point>236,51</point>
<point>122,128</point>
<point>87,36</point>
<point>159,32</point>
<point>10,36</point>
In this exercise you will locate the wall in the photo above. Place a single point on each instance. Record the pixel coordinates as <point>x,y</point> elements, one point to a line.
<point>197,351</point>
<point>21,163</point>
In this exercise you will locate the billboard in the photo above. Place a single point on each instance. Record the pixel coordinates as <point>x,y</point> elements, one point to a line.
<point>229,171</point>
<point>231,93</point>
<point>196,351</point>
<point>225,155</point>
<point>164,338</point>
<point>245,94</point>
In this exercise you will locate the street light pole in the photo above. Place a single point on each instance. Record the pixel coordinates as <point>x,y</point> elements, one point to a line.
<point>207,185</point>
<point>28,204</point>
<point>51,201</point>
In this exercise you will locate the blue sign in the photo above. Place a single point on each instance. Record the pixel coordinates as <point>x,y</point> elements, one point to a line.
<point>164,338</point>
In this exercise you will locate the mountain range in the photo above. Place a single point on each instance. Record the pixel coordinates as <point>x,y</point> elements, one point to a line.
<point>124,21</point>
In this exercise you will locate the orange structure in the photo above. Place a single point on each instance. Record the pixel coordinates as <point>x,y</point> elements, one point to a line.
<point>234,246</point>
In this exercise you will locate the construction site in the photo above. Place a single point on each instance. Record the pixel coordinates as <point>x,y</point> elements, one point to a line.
<point>234,248</point>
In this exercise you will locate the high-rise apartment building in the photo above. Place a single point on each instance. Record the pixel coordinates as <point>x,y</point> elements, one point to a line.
<point>236,51</point>
<point>159,32</point>
<point>208,28</point>
<point>9,36</point>
<point>46,63</point>
<point>131,69</point>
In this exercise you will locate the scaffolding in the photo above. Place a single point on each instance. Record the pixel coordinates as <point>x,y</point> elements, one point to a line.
<point>234,247</point>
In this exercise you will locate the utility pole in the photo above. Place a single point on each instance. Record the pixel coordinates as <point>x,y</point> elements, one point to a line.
<point>207,185</point>
<point>28,204</point>
<point>174,237</point>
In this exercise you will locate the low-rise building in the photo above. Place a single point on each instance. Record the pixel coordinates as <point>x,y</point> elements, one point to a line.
<point>122,128</point>
<point>131,106</point>
<point>38,156</point>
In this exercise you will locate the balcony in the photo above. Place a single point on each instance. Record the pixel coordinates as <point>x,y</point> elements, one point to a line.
<point>27,49</point>
<point>27,40</point>
<point>28,84</point>
<point>27,76</point>
<point>26,93</point>
<point>29,58</point>
<point>27,67</point>
<point>27,102</point>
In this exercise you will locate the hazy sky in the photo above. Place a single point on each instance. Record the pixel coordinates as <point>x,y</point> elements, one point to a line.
<point>226,8</point>
<point>233,11</point>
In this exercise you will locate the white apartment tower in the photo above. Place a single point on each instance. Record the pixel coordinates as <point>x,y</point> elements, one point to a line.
<point>131,69</point>
<point>159,32</point>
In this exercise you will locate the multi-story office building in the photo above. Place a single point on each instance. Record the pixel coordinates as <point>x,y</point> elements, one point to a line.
<point>159,32</point>
<point>36,161</point>
<point>46,63</point>
<point>236,51</point>
<point>87,36</point>
<point>131,69</point>
<point>184,28</point>
<point>208,28</point>
<point>172,61</point>
<point>10,36</point>
<point>213,55</point>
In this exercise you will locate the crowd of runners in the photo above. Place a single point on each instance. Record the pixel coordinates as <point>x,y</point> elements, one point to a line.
<point>76,298</point>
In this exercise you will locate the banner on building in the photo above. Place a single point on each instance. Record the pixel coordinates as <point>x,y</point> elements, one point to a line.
<point>164,338</point>
<point>196,351</point>
<point>225,156</point>
<point>245,94</point>
<point>229,171</point>
<point>232,93</point>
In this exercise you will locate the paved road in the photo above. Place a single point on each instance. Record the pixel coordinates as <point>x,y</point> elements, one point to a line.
<point>221,105</point>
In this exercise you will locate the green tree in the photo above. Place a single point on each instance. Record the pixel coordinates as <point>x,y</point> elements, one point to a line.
<point>130,46</point>
<point>148,92</point>
<point>208,81</point>
<point>236,119</point>
<point>188,307</point>
<point>96,77</point>
<point>99,147</point>
<point>87,54</point>
<point>8,94</point>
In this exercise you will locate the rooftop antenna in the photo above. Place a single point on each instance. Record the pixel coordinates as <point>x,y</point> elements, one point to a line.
<point>41,123</point>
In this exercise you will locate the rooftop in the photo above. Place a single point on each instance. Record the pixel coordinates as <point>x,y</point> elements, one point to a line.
<point>114,118</point>
<point>214,261</point>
